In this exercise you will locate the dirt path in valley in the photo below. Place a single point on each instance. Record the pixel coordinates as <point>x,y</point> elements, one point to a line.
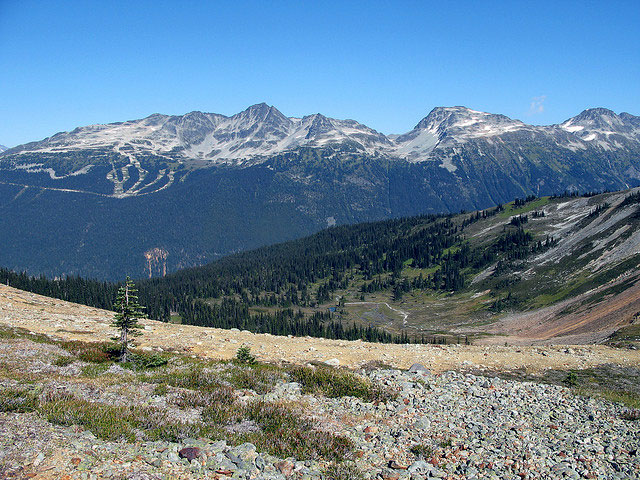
<point>405,315</point>
<point>76,322</point>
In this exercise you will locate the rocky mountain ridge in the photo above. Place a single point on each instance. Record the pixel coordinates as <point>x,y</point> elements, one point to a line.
<point>201,185</point>
<point>261,131</point>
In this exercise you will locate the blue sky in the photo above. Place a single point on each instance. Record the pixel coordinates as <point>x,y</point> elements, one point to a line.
<point>385,64</point>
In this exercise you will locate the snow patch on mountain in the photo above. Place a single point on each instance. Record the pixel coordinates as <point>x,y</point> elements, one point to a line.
<point>38,167</point>
<point>251,136</point>
<point>603,128</point>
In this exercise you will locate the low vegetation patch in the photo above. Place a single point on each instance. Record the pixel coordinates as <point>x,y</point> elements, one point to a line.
<point>339,383</point>
<point>631,415</point>
<point>11,333</point>
<point>609,382</point>
<point>259,377</point>
<point>285,433</point>
<point>18,400</point>
<point>342,471</point>
<point>207,392</point>
<point>277,428</point>
<point>422,451</point>
<point>202,400</point>
<point>630,399</point>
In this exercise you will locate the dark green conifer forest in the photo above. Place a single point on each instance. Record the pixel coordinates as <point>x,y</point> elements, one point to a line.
<point>289,288</point>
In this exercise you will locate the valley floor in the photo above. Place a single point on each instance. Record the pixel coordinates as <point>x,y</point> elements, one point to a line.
<point>71,321</point>
<point>470,416</point>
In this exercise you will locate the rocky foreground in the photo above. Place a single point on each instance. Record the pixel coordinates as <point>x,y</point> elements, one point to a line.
<point>67,412</point>
<point>450,425</point>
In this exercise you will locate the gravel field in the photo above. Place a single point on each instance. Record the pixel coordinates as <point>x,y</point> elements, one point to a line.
<point>449,425</point>
<point>444,422</point>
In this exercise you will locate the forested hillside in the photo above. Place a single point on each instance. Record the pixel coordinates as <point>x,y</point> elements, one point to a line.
<point>313,286</point>
<point>163,193</point>
<point>305,274</point>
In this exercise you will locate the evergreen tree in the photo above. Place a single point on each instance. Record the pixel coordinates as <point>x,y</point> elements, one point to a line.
<point>128,311</point>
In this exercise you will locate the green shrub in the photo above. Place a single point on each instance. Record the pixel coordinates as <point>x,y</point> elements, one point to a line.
<point>161,389</point>
<point>422,450</point>
<point>177,431</point>
<point>144,361</point>
<point>63,361</point>
<point>243,355</point>
<point>221,414</point>
<point>192,378</point>
<point>447,442</point>
<point>18,400</point>
<point>284,433</point>
<point>572,379</point>
<point>92,352</point>
<point>257,376</point>
<point>198,398</point>
<point>105,421</point>
<point>342,471</point>
<point>337,383</point>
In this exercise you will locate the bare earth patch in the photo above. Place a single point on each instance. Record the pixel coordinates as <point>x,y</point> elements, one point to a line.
<point>70,321</point>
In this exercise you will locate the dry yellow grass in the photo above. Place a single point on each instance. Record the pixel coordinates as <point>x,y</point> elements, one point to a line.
<point>71,321</point>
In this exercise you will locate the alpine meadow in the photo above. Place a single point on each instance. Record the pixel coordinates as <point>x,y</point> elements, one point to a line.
<point>204,278</point>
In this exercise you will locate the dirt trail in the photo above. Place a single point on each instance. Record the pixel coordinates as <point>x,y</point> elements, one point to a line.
<point>76,322</point>
<point>405,315</point>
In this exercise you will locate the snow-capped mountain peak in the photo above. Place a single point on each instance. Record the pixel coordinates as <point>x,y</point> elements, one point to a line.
<point>594,119</point>
<point>262,130</point>
<point>603,127</point>
<point>448,126</point>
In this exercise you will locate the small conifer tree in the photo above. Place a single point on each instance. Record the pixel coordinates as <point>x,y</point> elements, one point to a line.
<point>243,355</point>
<point>128,311</point>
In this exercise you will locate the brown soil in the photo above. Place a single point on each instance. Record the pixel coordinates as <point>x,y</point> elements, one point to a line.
<point>76,322</point>
<point>588,323</point>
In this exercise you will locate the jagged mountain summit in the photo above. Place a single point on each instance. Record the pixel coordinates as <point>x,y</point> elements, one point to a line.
<point>256,132</point>
<point>604,128</point>
<point>201,185</point>
<point>261,131</point>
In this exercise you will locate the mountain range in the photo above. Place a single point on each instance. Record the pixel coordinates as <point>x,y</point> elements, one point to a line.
<point>147,196</point>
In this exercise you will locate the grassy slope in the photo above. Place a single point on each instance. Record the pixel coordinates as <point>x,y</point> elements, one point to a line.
<point>529,283</point>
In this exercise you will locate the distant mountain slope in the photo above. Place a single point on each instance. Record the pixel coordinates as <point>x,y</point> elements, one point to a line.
<point>2,148</point>
<point>538,270</point>
<point>166,192</point>
<point>572,262</point>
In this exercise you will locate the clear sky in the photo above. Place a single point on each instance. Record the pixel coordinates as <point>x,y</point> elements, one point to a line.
<point>386,64</point>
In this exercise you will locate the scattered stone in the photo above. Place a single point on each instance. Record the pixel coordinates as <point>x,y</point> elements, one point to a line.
<point>396,466</point>
<point>189,453</point>
<point>418,368</point>
<point>450,425</point>
<point>285,467</point>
